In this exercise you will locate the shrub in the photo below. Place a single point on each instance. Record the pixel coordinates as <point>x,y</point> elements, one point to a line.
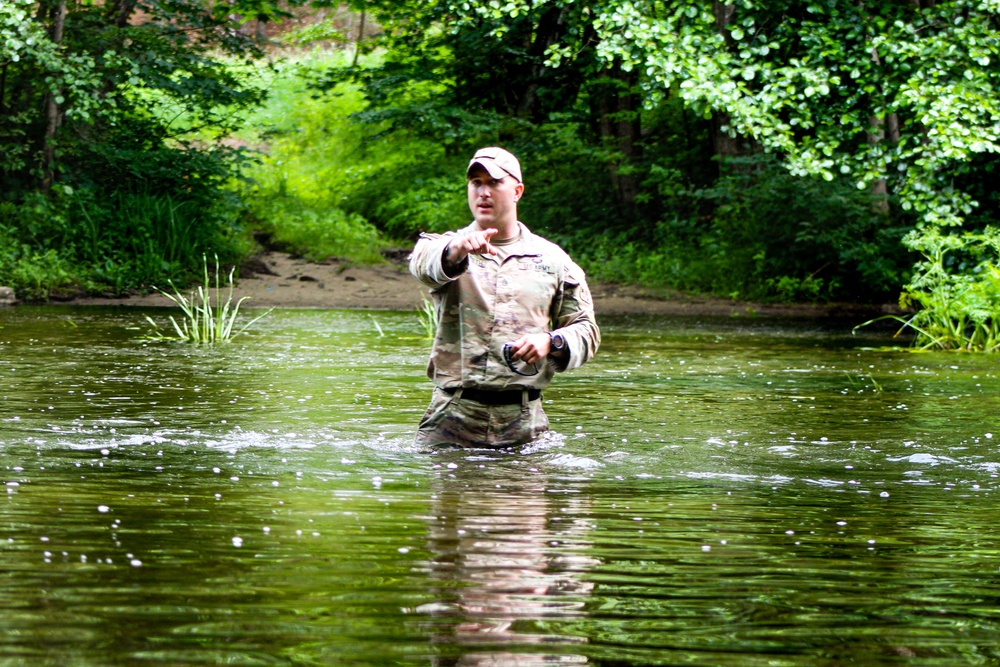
<point>760,233</point>
<point>31,272</point>
<point>956,288</point>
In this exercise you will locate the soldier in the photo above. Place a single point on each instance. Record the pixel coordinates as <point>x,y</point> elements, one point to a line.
<point>512,309</point>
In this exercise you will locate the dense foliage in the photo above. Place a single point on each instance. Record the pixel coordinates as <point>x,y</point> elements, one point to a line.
<point>102,184</point>
<point>635,118</point>
<point>807,150</point>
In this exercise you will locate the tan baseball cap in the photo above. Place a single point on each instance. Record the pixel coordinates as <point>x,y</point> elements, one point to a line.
<point>497,162</point>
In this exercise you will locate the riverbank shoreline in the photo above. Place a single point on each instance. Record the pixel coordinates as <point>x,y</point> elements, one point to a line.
<point>276,279</point>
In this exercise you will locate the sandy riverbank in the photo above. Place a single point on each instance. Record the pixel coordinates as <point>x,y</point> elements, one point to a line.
<point>285,281</point>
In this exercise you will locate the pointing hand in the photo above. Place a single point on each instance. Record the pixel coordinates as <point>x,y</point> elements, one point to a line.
<point>476,243</point>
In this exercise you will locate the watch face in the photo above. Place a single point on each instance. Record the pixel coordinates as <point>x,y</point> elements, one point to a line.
<point>558,342</point>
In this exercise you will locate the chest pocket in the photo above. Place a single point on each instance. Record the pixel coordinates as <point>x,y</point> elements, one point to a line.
<point>536,264</point>
<point>537,282</point>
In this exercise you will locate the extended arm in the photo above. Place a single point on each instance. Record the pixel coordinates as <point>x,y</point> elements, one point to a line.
<point>438,259</point>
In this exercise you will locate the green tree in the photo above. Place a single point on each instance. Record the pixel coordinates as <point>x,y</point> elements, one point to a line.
<point>898,92</point>
<point>100,103</point>
<point>463,83</point>
<point>897,97</point>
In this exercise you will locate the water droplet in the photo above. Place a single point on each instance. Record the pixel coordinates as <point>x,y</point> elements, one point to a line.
<point>103,509</point>
<point>884,494</point>
<point>237,542</point>
<point>135,562</point>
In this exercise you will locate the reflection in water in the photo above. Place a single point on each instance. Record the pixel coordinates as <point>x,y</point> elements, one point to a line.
<point>726,494</point>
<point>509,550</point>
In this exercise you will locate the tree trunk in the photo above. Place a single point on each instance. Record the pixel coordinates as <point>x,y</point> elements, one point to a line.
<point>3,88</point>
<point>620,127</point>
<point>551,28</point>
<point>724,144</point>
<point>880,187</point>
<point>723,17</point>
<point>120,12</point>
<point>53,114</point>
<point>357,42</point>
<point>892,128</point>
<point>882,129</point>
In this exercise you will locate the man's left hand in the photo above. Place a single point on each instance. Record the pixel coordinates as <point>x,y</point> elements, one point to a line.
<point>531,348</point>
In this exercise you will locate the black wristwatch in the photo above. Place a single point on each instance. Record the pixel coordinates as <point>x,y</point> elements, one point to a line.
<point>557,342</point>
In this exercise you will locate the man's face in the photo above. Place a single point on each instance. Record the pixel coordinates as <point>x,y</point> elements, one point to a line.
<point>493,202</point>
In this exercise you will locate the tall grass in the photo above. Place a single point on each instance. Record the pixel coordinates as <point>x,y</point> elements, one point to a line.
<point>203,322</point>
<point>428,318</point>
<point>956,291</point>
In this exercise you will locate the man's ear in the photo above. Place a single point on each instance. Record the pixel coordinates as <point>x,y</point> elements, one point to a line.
<point>518,191</point>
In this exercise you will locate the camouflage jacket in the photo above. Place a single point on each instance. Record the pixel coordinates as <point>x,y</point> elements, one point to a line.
<point>537,288</point>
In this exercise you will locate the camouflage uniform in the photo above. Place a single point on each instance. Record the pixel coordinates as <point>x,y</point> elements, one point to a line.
<point>535,288</point>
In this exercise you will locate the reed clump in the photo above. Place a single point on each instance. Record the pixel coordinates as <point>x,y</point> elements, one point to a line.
<point>956,292</point>
<point>428,318</point>
<point>202,321</point>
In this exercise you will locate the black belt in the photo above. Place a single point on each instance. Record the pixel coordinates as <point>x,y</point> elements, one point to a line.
<point>512,397</point>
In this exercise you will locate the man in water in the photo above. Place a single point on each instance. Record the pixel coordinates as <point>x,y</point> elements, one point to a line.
<point>512,310</point>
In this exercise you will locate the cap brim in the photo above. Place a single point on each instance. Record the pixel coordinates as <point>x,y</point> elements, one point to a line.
<point>491,167</point>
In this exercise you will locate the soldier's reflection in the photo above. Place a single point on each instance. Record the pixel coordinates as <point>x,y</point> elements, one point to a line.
<point>508,546</point>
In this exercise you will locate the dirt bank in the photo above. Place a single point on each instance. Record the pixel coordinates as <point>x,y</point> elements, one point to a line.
<point>285,281</point>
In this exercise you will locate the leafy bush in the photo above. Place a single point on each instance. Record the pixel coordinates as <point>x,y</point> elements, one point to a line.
<point>32,272</point>
<point>317,233</point>
<point>314,160</point>
<point>956,288</point>
<point>110,241</point>
<point>100,173</point>
<point>760,233</point>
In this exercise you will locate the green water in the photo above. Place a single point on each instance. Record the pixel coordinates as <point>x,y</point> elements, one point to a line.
<point>716,492</point>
